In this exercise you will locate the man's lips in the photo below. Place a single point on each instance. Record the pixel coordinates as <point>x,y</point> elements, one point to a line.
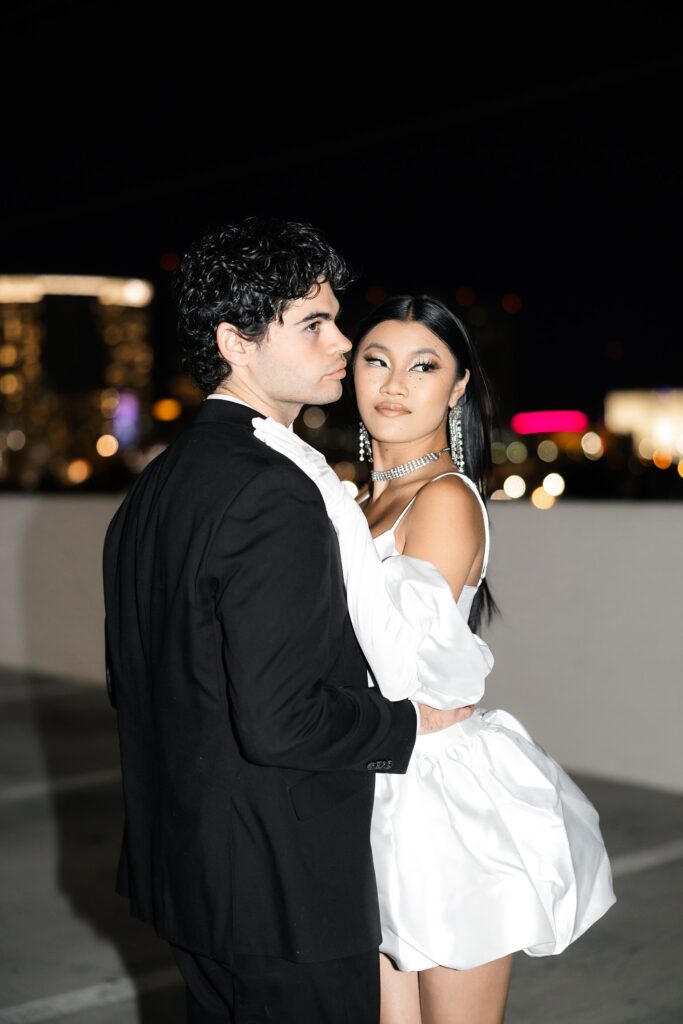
<point>339,370</point>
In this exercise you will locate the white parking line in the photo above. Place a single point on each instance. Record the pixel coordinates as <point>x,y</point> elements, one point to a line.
<point>121,990</point>
<point>105,994</point>
<point>48,787</point>
<point>641,860</point>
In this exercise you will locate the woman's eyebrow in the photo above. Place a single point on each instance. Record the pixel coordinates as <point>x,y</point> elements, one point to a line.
<point>415,352</point>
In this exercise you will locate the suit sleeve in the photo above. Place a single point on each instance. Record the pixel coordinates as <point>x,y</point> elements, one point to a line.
<point>272,560</point>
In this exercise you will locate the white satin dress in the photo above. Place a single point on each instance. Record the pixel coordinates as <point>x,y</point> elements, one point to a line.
<point>485,845</point>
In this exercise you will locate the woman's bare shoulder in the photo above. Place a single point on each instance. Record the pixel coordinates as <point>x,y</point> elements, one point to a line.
<point>444,501</point>
<point>445,527</point>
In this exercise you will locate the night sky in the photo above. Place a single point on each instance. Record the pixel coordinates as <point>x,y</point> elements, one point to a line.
<point>552,172</point>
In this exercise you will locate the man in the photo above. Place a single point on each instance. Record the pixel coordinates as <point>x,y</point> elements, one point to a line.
<point>249,736</point>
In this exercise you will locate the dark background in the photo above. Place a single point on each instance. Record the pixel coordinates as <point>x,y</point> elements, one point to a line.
<point>534,152</point>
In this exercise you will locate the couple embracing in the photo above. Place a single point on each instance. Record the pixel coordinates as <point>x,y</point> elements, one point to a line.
<point>319,819</point>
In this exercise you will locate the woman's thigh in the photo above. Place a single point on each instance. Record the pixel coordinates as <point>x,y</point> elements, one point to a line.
<point>476,996</point>
<point>400,997</point>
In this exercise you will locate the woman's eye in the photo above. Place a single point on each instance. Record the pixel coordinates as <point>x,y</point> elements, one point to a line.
<point>376,359</point>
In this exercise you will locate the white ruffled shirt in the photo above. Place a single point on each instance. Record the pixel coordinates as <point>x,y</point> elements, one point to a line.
<point>232,398</point>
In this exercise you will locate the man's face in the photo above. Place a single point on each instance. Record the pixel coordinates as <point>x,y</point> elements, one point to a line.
<point>298,361</point>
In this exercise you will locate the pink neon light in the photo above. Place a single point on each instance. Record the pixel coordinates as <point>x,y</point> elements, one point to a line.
<point>548,420</point>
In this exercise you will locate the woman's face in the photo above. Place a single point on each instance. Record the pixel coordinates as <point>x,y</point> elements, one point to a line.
<point>401,363</point>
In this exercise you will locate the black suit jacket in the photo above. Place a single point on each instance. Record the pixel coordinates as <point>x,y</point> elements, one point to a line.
<point>249,737</point>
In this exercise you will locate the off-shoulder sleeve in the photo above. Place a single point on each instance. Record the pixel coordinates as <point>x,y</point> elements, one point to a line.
<point>416,639</point>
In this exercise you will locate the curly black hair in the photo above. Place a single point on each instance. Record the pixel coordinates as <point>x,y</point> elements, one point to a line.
<point>246,274</point>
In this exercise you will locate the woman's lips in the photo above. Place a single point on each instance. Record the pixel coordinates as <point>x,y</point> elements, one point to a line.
<point>387,410</point>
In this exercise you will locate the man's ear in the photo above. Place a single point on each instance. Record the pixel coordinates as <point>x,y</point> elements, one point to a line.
<point>233,346</point>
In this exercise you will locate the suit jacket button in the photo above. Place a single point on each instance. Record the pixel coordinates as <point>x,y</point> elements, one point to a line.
<point>371,765</point>
<point>390,764</point>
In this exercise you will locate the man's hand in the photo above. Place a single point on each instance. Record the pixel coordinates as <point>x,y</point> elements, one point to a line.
<point>434,720</point>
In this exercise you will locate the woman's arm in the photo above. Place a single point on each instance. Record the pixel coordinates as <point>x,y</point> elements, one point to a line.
<point>403,611</point>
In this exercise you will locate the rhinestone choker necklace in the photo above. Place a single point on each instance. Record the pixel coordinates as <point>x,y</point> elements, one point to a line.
<point>406,467</point>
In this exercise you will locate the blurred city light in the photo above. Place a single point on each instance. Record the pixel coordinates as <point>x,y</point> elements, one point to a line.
<point>548,421</point>
<point>465,296</point>
<point>167,409</point>
<point>547,451</point>
<point>107,445</point>
<point>345,470</point>
<point>78,471</point>
<point>541,499</point>
<point>511,302</point>
<point>516,451</point>
<point>110,291</point>
<point>514,486</point>
<point>314,417</point>
<point>654,419</point>
<point>553,484</point>
<point>592,445</point>
<point>498,452</point>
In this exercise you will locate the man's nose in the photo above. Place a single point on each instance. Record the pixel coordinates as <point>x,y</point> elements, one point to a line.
<point>347,344</point>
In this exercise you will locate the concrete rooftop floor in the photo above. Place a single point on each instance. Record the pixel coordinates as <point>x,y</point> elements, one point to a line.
<point>70,951</point>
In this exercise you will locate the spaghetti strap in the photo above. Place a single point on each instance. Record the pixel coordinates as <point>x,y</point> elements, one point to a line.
<point>473,487</point>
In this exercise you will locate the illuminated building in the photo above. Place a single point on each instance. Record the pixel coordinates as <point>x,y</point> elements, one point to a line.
<point>75,363</point>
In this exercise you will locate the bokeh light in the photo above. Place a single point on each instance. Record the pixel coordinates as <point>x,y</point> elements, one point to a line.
<point>514,486</point>
<point>541,499</point>
<point>511,302</point>
<point>314,417</point>
<point>516,451</point>
<point>498,453</point>
<point>167,409</point>
<point>78,470</point>
<point>345,470</point>
<point>592,445</point>
<point>547,451</point>
<point>16,439</point>
<point>465,296</point>
<point>661,459</point>
<point>553,484</point>
<point>107,445</point>
<point>548,421</point>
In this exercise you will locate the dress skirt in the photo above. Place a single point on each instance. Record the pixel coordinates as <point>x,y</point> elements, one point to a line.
<point>484,847</point>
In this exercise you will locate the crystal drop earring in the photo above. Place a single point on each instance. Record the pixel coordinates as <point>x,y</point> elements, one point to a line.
<point>364,446</point>
<point>455,429</point>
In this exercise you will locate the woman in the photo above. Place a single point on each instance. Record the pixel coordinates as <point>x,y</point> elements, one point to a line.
<point>485,846</point>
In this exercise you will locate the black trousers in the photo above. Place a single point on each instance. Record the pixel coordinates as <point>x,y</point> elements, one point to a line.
<point>246,989</point>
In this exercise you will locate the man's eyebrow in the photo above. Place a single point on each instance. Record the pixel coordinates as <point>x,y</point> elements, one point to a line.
<point>415,352</point>
<point>317,316</point>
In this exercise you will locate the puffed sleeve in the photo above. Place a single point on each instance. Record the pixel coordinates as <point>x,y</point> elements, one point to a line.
<point>414,637</point>
<point>434,656</point>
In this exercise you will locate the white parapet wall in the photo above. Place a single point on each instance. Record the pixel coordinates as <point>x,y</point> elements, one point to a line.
<point>588,652</point>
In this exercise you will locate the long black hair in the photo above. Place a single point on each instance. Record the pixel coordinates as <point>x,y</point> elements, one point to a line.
<point>477,403</point>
